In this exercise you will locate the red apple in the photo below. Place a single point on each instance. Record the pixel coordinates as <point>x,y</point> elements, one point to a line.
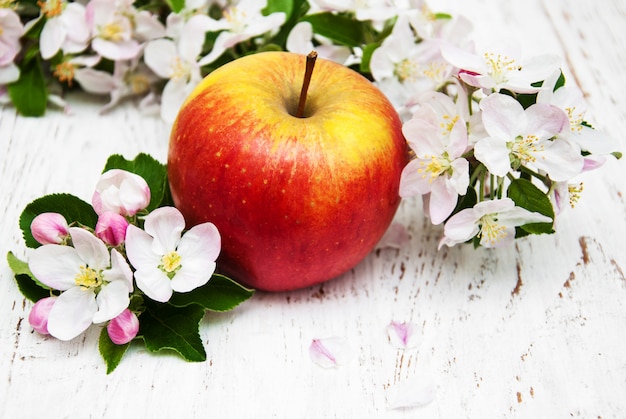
<point>298,200</point>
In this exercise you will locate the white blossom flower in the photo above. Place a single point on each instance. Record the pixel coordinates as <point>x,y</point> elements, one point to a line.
<point>519,137</point>
<point>240,22</point>
<point>438,136</point>
<point>95,285</point>
<point>166,260</point>
<point>122,192</point>
<point>493,221</point>
<point>501,66</point>
<point>112,29</point>
<point>65,29</point>
<point>176,61</point>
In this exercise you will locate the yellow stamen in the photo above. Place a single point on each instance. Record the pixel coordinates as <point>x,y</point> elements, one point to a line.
<point>435,167</point>
<point>499,65</point>
<point>524,148</point>
<point>51,8</point>
<point>139,83</point>
<point>88,278</point>
<point>406,70</point>
<point>575,120</point>
<point>170,263</point>
<point>237,17</point>
<point>490,230</point>
<point>448,123</point>
<point>574,193</point>
<point>113,31</point>
<point>65,72</point>
<point>180,69</point>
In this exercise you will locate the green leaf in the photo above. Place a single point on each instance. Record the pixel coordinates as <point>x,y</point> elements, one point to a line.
<point>219,294</point>
<point>146,166</point>
<point>176,5</point>
<point>340,28</point>
<point>273,6</point>
<point>72,208</point>
<point>526,195</point>
<point>111,353</point>
<point>29,93</point>
<point>163,326</point>
<point>28,285</point>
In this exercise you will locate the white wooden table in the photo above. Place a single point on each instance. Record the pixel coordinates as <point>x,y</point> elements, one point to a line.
<point>535,330</point>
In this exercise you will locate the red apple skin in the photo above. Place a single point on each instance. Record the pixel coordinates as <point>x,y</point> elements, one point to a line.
<point>298,201</point>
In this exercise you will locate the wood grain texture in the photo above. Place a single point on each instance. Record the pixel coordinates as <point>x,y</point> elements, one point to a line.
<point>535,330</point>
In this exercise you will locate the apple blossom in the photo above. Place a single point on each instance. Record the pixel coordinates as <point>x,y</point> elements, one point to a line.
<point>112,29</point>
<point>176,60</point>
<point>65,28</point>
<point>526,137</point>
<point>121,192</point>
<point>123,328</point>
<point>240,22</point>
<point>111,228</point>
<point>501,66</point>
<point>49,228</point>
<point>167,260</point>
<point>38,316</point>
<point>403,68</point>
<point>493,221</point>
<point>438,136</point>
<point>95,285</point>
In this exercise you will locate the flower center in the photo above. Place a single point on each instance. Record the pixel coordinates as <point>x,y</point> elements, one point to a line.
<point>406,70</point>
<point>435,167</point>
<point>523,149</point>
<point>51,8</point>
<point>113,31</point>
<point>499,65</point>
<point>139,83</point>
<point>574,193</point>
<point>65,72</point>
<point>575,120</point>
<point>88,278</point>
<point>436,71</point>
<point>490,230</point>
<point>236,17</point>
<point>170,263</point>
<point>180,69</point>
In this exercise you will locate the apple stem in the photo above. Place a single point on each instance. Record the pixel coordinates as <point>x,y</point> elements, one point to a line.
<point>308,72</point>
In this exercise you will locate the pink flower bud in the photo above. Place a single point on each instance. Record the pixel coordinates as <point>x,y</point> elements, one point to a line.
<point>123,328</point>
<point>122,192</point>
<point>38,317</point>
<point>111,228</point>
<point>49,228</point>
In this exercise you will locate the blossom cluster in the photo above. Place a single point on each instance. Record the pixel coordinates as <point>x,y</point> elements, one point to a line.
<point>90,273</point>
<point>117,263</point>
<point>498,139</point>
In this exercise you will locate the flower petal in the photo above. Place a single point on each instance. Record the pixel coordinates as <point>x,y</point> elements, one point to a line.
<point>139,249</point>
<point>91,249</point>
<point>112,300</point>
<point>330,352</point>
<point>72,313</point>
<point>404,335</point>
<point>55,265</point>
<point>165,225</point>
<point>154,283</point>
<point>417,391</point>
